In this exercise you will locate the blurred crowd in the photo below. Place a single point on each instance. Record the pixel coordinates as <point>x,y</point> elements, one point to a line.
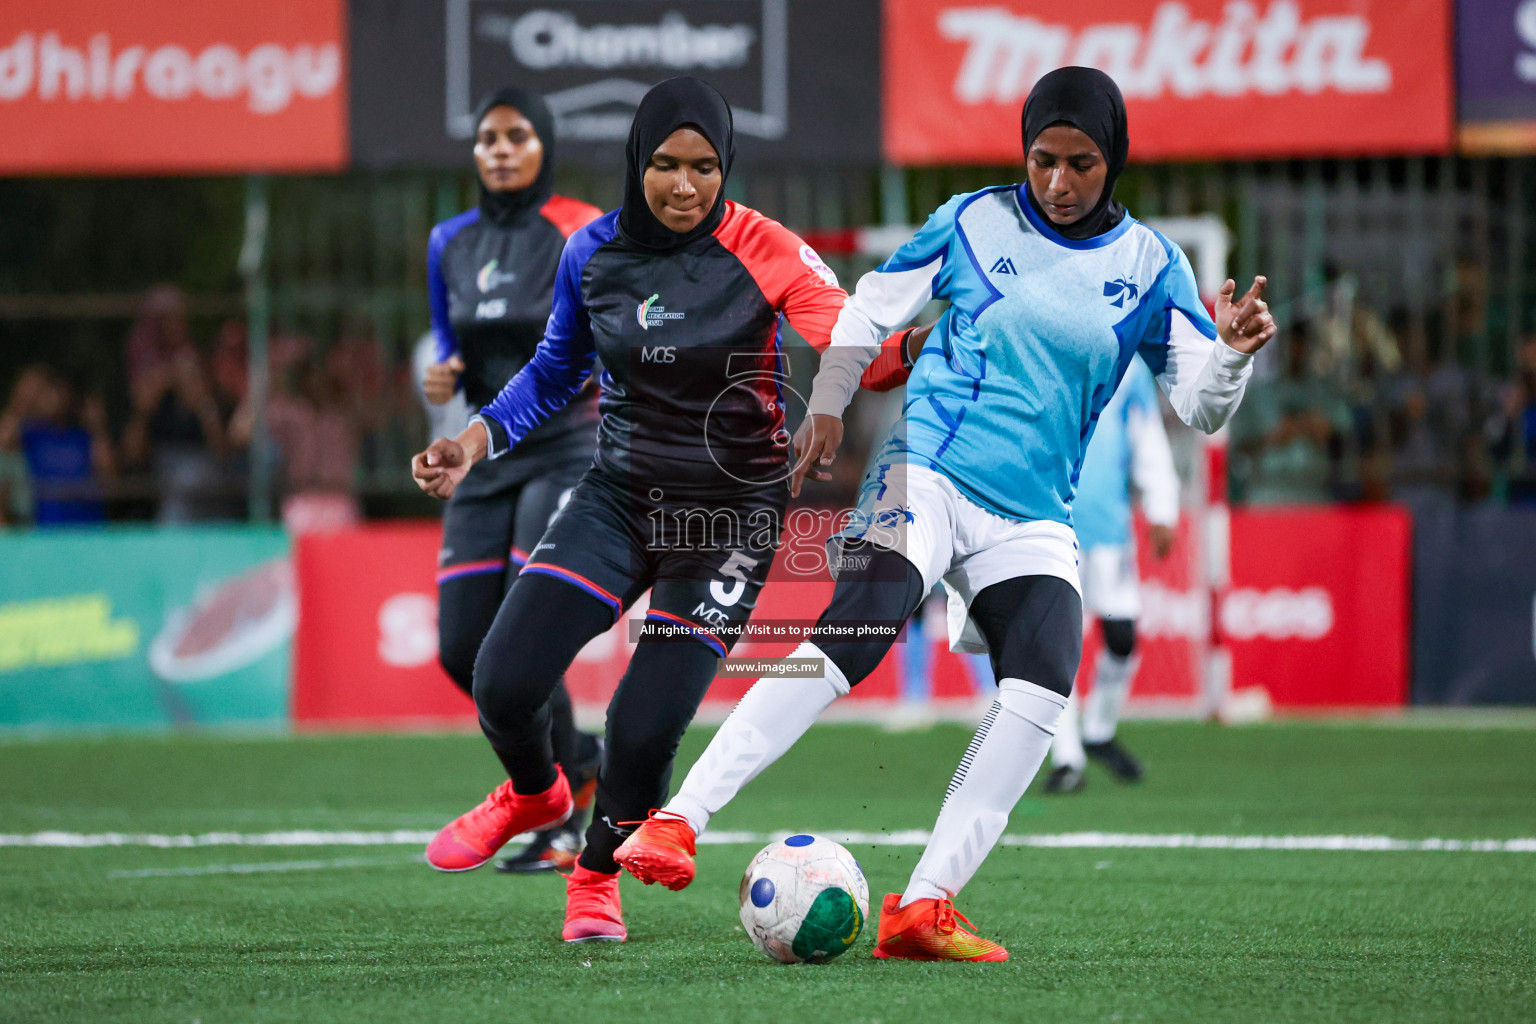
<point>1345,410</point>
<point>175,441</point>
<point>1348,411</point>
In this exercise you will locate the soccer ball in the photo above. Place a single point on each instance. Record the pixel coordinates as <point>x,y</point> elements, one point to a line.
<point>803,900</point>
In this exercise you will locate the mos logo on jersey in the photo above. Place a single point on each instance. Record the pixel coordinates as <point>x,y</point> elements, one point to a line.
<point>1120,289</point>
<point>649,314</point>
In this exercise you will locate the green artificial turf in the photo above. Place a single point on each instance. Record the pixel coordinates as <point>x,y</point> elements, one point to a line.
<point>372,934</point>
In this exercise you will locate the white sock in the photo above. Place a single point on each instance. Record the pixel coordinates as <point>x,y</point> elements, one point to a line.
<point>1111,685</point>
<point>1067,748</point>
<point>774,714</point>
<point>1008,749</point>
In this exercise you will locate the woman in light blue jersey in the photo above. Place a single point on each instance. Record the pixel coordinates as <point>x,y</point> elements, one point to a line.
<point>1053,288</point>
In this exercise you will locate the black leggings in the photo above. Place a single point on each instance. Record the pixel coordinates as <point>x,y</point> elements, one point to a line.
<point>1119,636</point>
<point>540,628</point>
<point>1032,624</point>
<point>466,608</point>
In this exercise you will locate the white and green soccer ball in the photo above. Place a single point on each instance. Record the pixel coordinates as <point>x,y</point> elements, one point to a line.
<point>803,900</point>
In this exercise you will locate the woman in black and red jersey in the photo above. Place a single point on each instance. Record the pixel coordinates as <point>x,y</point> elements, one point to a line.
<point>491,278</point>
<point>679,292</point>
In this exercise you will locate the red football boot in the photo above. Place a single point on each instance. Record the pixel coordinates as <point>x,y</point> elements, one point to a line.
<point>473,838</point>
<point>592,911</point>
<point>929,930</point>
<point>660,850</point>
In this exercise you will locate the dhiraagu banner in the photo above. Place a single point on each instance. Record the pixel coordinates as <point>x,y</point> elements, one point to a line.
<point>145,628</point>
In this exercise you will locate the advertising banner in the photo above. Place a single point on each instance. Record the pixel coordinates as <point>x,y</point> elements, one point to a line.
<point>1318,610</point>
<point>366,652</point>
<point>1474,606</point>
<point>1172,635</point>
<point>1496,75</point>
<point>159,86</point>
<point>1203,79</point>
<point>1317,615</point>
<point>802,76</point>
<point>145,628</point>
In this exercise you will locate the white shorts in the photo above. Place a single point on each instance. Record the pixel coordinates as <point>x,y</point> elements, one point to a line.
<point>918,513</point>
<point>1110,586</point>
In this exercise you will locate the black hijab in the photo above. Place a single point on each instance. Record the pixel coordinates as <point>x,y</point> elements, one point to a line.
<point>673,104</point>
<point>502,208</point>
<point>1090,101</point>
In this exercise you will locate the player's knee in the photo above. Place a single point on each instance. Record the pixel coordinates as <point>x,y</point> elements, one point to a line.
<point>873,598</point>
<point>855,659</point>
<point>1043,640</point>
<point>1047,665</point>
<point>510,689</point>
<point>1119,636</point>
<point>1034,627</point>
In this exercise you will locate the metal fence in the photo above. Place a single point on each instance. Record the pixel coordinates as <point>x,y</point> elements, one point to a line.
<point>1432,255</point>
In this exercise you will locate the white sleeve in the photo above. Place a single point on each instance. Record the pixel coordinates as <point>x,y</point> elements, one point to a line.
<point>882,301</point>
<point>1203,378</point>
<point>1152,469</point>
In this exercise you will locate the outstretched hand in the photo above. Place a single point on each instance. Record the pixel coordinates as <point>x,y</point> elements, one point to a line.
<point>439,469</point>
<point>816,444</point>
<point>1246,324</point>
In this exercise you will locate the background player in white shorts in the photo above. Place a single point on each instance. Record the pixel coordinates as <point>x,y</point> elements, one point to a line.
<point>1128,447</point>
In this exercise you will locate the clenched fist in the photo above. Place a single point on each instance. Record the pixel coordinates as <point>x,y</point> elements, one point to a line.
<point>446,462</point>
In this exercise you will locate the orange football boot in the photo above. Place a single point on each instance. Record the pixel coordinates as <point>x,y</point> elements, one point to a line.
<point>473,838</point>
<point>592,910</point>
<point>929,930</point>
<point>660,850</point>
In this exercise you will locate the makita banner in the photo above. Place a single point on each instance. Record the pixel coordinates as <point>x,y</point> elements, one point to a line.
<point>802,76</point>
<point>1203,79</point>
<point>157,86</point>
<point>1496,75</point>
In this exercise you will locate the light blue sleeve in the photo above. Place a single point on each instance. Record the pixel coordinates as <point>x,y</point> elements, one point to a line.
<point>885,299</point>
<point>933,241</point>
<point>1203,377</point>
<point>1177,293</point>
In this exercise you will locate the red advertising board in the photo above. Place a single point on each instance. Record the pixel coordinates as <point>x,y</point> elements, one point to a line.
<point>1318,611</point>
<point>156,86</point>
<point>365,652</point>
<point>1317,614</point>
<point>1203,79</point>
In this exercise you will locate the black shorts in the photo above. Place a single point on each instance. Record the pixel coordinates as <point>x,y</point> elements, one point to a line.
<point>704,562</point>
<point>501,509</point>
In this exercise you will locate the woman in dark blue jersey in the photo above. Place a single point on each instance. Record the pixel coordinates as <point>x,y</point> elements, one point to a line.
<point>680,293</point>
<point>491,275</point>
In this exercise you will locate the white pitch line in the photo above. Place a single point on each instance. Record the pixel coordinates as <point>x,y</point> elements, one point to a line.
<point>1366,844</point>
<point>912,837</point>
<point>262,867</point>
<point>306,837</point>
